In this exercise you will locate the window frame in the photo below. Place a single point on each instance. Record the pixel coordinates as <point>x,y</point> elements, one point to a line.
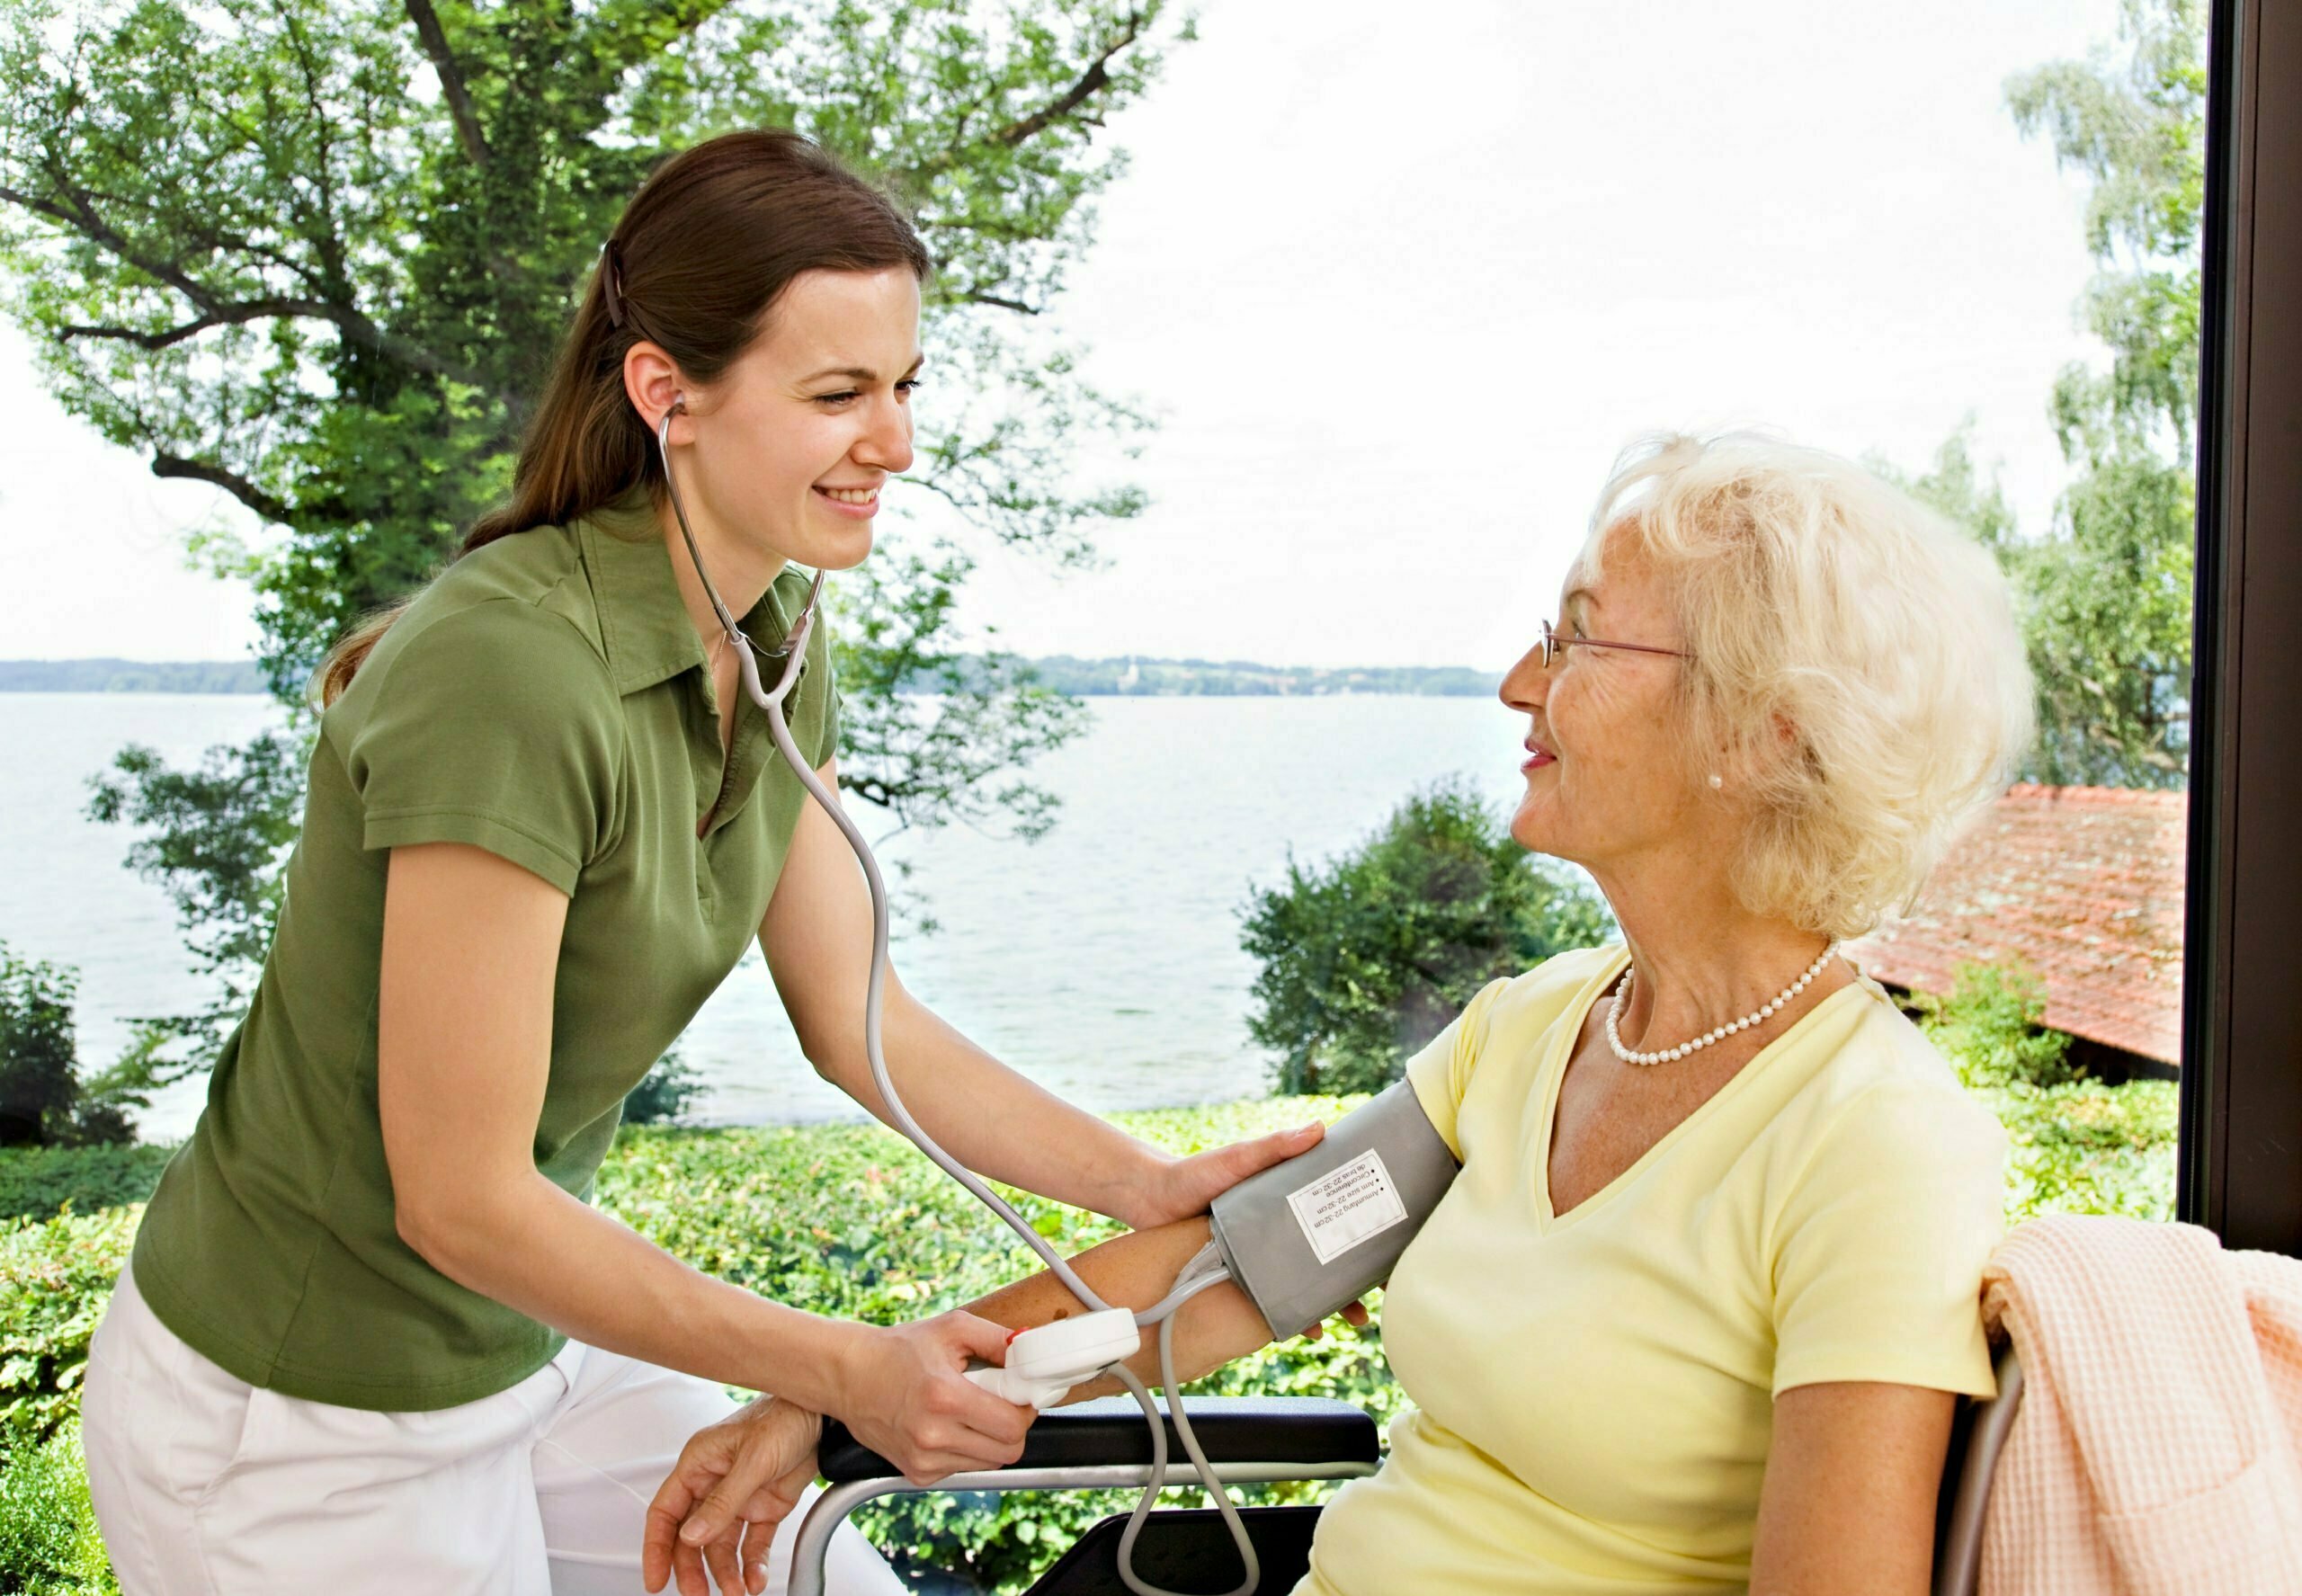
<point>2240,1162</point>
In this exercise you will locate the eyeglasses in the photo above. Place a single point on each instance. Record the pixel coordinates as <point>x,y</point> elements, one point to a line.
<point>1553,645</point>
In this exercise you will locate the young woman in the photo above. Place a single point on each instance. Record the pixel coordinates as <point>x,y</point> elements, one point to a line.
<point>372,1337</point>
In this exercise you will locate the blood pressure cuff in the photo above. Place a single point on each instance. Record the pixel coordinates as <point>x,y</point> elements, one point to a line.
<point>1307,1236</point>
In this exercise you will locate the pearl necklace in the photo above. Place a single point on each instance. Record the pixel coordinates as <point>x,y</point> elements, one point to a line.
<point>1622,998</point>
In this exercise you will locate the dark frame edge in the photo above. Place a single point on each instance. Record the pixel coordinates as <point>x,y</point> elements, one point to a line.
<point>2202,1157</point>
<point>2240,1164</point>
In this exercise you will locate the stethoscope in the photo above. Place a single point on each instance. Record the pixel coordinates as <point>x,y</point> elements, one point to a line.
<point>1202,1272</point>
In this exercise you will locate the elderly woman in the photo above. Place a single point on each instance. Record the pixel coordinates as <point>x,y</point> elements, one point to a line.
<point>1693,1316</point>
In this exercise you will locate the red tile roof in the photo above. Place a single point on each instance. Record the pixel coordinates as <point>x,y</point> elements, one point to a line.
<point>2084,885</point>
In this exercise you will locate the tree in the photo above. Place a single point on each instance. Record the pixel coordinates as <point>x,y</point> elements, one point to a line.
<point>317,253</point>
<point>2107,591</point>
<point>43,1101</point>
<point>1367,957</point>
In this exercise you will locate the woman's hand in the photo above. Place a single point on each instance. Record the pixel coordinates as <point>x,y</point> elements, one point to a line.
<point>721,1506</point>
<point>1184,1187</point>
<point>905,1393</point>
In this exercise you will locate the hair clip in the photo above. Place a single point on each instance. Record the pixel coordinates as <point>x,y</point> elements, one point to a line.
<point>611,281</point>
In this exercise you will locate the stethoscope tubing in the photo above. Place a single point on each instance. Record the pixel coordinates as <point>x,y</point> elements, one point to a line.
<point>793,651</point>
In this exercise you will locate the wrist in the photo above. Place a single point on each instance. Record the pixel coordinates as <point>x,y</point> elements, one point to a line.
<point>842,1365</point>
<point>1139,1198</point>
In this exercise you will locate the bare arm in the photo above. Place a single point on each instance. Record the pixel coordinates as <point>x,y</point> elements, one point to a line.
<point>1848,1505</point>
<point>817,940</point>
<point>722,1468</point>
<point>470,946</point>
<point>1134,1271</point>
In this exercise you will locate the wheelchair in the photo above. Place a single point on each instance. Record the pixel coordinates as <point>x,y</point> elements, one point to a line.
<point>1103,1444</point>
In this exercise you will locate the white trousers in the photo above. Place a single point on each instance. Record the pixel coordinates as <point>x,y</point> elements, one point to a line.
<point>205,1485</point>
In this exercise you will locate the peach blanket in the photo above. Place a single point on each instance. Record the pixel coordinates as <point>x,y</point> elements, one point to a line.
<point>2155,1447</point>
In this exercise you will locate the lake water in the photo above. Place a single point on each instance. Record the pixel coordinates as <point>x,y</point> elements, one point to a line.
<point>1103,962</point>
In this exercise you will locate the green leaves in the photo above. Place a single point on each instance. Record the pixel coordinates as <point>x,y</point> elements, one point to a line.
<point>1368,957</point>
<point>2107,592</point>
<point>319,254</point>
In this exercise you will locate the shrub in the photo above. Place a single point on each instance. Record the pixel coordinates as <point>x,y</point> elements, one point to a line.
<point>2074,1146</point>
<point>48,1541</point>
<point>39,1181</point>
<point>54,1279</point>
<point>43,1102</point>
<point>1989,1025</point>
<point>663,1097</point>
<point>849,1220</point>
<point>1368,957</point>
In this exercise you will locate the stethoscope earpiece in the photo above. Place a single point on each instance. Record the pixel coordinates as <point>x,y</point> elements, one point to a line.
<point>792,650</point>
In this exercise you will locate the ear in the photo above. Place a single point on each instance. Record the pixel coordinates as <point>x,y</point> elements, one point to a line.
<point>653,383</point>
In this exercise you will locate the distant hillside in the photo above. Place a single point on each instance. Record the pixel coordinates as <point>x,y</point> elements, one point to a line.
<point>1234,678</point>
<point>1087,678</point>
<point>128,675</point>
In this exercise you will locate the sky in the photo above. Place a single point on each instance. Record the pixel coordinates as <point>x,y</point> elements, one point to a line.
<point>1399,283</point>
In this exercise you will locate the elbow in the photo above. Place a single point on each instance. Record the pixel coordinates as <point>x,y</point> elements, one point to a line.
<point>455,1235</point>
<point>429,1234</point>
<point>832,1042</point>
<point>829,1054</point>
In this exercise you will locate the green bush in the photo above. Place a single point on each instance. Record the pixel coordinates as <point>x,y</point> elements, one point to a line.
<point>848,1220</point>
<point>2085,1147</point>
<point>663,1097</point>
<point>43,1101</point>
<point>40,1181</point>
<point>54,1279</point>
<point>1990,1025</point>
<point>1368,957</point>
<point>48,1541</point>
<point>2074,1146</point>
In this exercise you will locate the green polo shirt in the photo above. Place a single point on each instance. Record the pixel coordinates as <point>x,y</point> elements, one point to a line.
<point>546,699</point>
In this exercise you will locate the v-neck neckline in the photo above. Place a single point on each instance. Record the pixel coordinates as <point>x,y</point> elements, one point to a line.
<point>1562,1052</point>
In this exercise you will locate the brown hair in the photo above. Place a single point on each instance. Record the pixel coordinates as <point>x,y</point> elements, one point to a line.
<point>703,252</point>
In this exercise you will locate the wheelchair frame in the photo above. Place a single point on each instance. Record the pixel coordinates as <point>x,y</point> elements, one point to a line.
<point>1978,1436</point>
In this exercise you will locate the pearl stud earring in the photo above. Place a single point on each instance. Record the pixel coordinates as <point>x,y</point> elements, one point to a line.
<point>1716,781</point>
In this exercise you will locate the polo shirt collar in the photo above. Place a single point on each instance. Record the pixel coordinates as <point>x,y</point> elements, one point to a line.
<point>644,623</point>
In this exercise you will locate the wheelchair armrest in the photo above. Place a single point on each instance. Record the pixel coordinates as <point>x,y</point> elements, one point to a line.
<point>1111,1430</point>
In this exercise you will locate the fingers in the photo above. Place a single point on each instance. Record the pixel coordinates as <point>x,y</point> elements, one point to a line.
<point>779,1444</point>
<point>759,1537</point>
<point>978,1338</point>
<point>996,1421</point>
<point>687,1569</point>
<point>757,1541</point>
<point>1242,1159</point>
<point>1353,1314</point>
<point>665,1513</point>
<point>720,1555</point>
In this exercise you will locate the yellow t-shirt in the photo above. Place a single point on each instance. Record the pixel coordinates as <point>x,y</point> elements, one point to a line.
<point>1594,1393</point>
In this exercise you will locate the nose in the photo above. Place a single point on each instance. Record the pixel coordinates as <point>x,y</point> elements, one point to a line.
<point>885,443</point>
<point>1525,685</point>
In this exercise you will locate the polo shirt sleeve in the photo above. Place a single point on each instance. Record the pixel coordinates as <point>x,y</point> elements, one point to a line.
<point>1882,1241</point>
<point>1441,1074</point>
<point>496,725</point>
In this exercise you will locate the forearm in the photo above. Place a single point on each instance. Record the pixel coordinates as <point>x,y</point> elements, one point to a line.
<point>991,1120</point>
<point>1134,1271</point>
<point>532,1247</point>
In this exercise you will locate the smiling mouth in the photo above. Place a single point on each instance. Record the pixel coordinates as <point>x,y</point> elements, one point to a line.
<point>849,496</point>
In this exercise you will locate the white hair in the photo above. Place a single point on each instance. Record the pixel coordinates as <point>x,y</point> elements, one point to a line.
<point>1855,664</point>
